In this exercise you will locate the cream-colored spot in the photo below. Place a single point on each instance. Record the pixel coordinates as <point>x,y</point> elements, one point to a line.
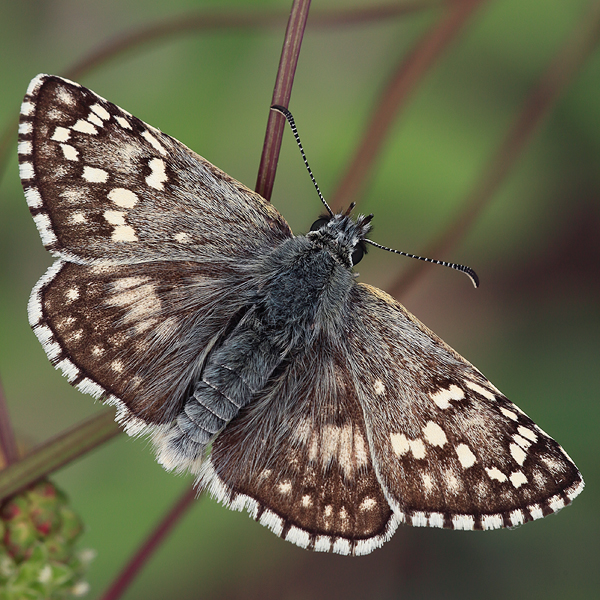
<point>124,233</point>
<point>521,441</point>
<point>480,390</point>
<point>509,413</point>
<point>27,109</point>
<point>84,126</point>
<point>65,97</point>
<point>465,456</point>
<point>367,504</point>
<point>307,501</point>
<point>518,479</point>
<point>182,238</point>
<point>360,449</point>
<point>124,123</point>
<point>495,473</point>
<point>265,473</point>
<point>142,303</point>
<point>98,350</point>
<point>117,366</point>
<point>26,170</point>
<point>417,447</point>
<point>72,294</point>
<point>328,511</point>
<point>399,443</point>
<point>115,217</point>
<point>451,480</point>
<point>100,111</point>
<point>123,197</point>
<point>61,134</point>
<point>378,387</point>
<point>517,453</point>
<point>70,152</point>
<point>25,128</point>
<point>94,120</point>
<point>33,197</point>
<point>427,482</point>
<point>94,175</point>
<point>434,434</point>
<point>530,435</point>
<point>78,218</point>
<point>343,514</point>
<point>154,142</point>
<point>158,176</point>
<point>442,397</point>
<point>285,487</point>
<point>24,147</point>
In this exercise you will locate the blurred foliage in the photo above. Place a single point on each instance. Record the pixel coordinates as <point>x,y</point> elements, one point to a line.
<point>532,327</point>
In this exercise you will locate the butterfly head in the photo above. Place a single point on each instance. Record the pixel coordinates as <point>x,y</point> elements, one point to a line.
<point>342,235</point>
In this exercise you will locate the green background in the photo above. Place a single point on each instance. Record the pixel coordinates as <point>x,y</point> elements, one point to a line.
<point>532,327</point>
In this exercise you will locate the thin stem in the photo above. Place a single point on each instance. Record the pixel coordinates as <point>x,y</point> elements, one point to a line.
<point>150,545</point>
<point>281,95</point>
<point>408,74</point>
<point>8,444</point>
<point>561,70</point>
<point>57,452</point>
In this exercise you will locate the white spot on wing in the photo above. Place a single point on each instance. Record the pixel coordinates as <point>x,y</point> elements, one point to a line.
<point>34,200</point>
<point>92,118</point>
<point>94,175</point>
<point>518,479</point>
<point>509,413</point>
<point>495,473</point>
<point>463,522</point>
<point>517,453</point>
<point>399,443</point>
<point>24,147</point>
<point>100,111</point>
<point>70,152</point>
<point>465,456</point>
<point>61,134</point>
<point>480,390</point>
<point>378,387</point>
<point>434,434</point>
<point>442,397</point>
<point>124,123</point>
<point>124,233</point>
<point>26,170</point>
<point>530,435</point>
<point>182,238</point>
<point>154,142</point>
<point>123,197</point>
<point>158,176</point>
<point>84,126</point>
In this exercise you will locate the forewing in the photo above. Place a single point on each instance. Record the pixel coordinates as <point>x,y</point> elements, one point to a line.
<point>104,187</point>
<point>133,336</point>
<point>297,458</point>
<point>449,449</point>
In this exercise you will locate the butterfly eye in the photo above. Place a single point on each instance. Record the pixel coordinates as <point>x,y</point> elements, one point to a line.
<point>357,254</point>
<point>320,222</point>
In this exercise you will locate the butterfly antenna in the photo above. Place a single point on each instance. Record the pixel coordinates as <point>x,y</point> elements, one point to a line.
<point>466,270</point>
<point>290,119</point>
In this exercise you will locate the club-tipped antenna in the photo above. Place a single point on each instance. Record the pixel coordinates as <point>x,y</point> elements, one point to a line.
<point>290,119</point>
<point>464,269</point>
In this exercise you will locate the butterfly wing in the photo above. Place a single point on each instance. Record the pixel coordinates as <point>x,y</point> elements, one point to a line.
<point>104,187</point>
<point>297,458</point>
<point>150,239</point>
<point>448,448</point>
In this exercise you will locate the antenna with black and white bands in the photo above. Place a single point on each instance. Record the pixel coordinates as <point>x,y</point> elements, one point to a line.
<point>462,268</point>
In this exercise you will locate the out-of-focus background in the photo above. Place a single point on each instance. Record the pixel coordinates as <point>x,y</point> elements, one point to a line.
<point>532,327</point>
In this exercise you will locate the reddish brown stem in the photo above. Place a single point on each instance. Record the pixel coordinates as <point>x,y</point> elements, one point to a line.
<point>394,97</point>
<point>281,95</point>
<point>570,57</point>
<point>152,542</point>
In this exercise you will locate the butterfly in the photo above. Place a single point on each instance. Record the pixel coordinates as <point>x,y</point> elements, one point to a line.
<point>252,357</point>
